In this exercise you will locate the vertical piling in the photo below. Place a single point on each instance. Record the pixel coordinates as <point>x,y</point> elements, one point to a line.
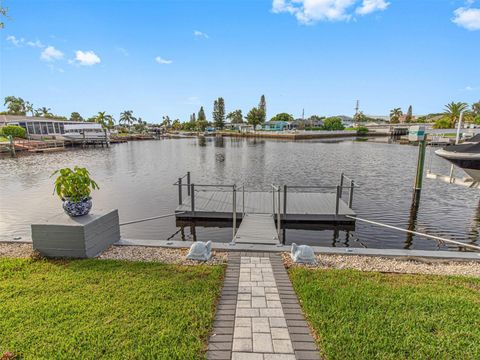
<point>337,201</point>
<point>192,198</point>
<point>180,200</point>
<point>234,210</point>
<point>422,145</point>
<point>341,183</point>
<point>350,195</point>
<point>188,183</point>
<point>12,146</point>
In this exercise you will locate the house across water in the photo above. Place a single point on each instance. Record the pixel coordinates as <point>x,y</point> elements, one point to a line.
<point>38,127</point>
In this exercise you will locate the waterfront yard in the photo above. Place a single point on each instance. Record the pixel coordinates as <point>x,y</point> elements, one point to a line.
<point>92,309</point>
<point>362,315</point>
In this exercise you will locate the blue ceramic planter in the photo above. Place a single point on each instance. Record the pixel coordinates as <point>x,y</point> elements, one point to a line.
<point>79,208</point>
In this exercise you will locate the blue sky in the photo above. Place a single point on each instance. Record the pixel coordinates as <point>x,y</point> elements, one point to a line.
<point>169,57</point>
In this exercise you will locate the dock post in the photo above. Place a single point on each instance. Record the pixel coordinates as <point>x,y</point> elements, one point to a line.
<point>341,184</point>
<point>243,201</point>
<point>273,202</point>
<point>188,183</point>
<point>180,200</point>
<point>422,145</point>
<point>350,195</point>
<point>234,210</point>
<point>278,215</point>
<point>192,198</point>
<point>12,145</point>
<point>337,201</point>
<point>284,203</point>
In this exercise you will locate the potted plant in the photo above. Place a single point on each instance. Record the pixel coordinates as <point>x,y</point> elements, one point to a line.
<point>74,187</point>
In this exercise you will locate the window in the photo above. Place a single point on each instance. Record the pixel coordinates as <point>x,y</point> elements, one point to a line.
<point>50,128</point>
<point>62,130</point>
<point>57,128</point>
<point>30,128</point>
<point>37,128</point>
<point>44,128</point>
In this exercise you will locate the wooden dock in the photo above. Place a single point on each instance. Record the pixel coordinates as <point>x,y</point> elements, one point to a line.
<point>300,206</point>
<point>257,229</point>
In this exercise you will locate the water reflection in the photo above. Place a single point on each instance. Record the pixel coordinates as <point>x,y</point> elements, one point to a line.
<point>137,179</point>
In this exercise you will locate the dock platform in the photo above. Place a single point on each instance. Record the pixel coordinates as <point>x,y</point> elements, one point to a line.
<point>300,206</point>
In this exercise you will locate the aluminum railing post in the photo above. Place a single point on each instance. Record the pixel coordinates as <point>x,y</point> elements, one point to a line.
<point>192,198</point>
<point>350,197</point>
<point>234,210</point>
<point>278,214</point>
<point>341,184</point>
<point>337,202</point>
<point>180,199</point>
<point>188,182</point>
<point>284,203</point>
<point>273,202</point>
<point>243,201</point>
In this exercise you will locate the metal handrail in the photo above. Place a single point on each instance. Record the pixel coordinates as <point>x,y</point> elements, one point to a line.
<point>416,233</point>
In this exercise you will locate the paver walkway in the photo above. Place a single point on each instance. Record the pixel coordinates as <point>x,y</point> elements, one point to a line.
<point>259,317</point>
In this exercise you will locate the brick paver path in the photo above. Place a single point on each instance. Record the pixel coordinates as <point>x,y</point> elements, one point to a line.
<point>259,317</point>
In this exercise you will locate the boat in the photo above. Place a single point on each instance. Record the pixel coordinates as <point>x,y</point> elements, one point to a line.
<point>466,156</point>
<point>85,132</point>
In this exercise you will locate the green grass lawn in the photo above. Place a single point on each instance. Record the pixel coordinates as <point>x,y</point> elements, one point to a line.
<point>359,315</point>
<point>3,139</point>
<point>104,309</point>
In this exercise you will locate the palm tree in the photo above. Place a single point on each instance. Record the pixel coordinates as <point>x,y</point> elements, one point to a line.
<point>43,111</point>
<point>166,121</point>
<point>29,107</point>
<point>127,118</point>
<point>453,110</point>
<point>395,115</point>
<point>105,120</point>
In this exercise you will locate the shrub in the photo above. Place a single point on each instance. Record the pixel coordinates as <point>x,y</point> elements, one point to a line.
<point>362,130</point>
<point>333,123</point>
<point>442,123</point>
<point>14,131</point>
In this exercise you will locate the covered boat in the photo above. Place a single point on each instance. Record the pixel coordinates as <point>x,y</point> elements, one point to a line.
<point>85,131</point>
<point>465,156</point>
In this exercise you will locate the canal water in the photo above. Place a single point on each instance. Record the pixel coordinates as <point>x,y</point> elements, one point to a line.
<point>137,179</point>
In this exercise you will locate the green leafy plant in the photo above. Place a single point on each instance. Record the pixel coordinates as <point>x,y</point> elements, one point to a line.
<point>14,131</point>
<point>74,185</point>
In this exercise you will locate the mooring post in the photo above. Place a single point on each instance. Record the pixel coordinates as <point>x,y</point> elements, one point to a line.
<point>337,201</point>
<point>273,202</point>
<point>350,195</point>
<point>180,200</point>
<point>341,184</point>
<point>12,145</point>
<point>188,182</point>
<point>192,198</point>
<point>234,210</point>
<point>422,145</point>
<point>284,203</point>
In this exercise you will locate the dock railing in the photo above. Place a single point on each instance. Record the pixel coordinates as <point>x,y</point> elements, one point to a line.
<point>185,181</point>
<point>192,188</point>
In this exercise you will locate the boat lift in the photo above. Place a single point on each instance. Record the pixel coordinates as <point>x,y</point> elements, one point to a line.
<point>450,178</point>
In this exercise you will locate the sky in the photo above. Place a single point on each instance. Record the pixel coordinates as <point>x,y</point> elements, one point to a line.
<point>169,57</point>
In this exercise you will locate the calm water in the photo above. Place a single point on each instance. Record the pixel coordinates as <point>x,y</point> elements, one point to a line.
<point>137,179</point>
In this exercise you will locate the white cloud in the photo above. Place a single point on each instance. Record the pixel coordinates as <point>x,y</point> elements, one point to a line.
<point>51,54</point>
<point>369,6</point>
<point>200,34</point>
<point>86,58</point>
<point>35,44</point>
<point>468,18</point>
<point>14,40</point>
<point>310,11</point>
<point>162,61</point>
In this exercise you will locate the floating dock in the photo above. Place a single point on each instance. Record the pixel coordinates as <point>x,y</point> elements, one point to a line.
<point>300,206</point>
